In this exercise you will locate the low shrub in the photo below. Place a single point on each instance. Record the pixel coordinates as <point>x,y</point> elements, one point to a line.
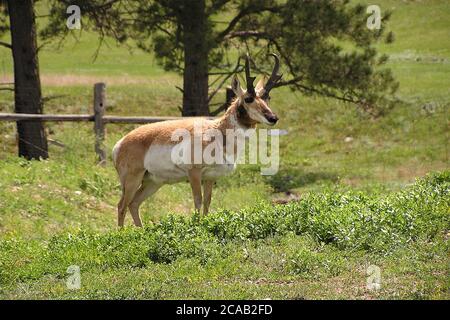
<point>352,220</point>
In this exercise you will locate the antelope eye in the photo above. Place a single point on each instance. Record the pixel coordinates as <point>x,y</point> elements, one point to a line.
<point>249,100</point>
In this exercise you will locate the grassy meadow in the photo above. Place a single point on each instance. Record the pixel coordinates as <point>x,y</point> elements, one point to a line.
<point>370,191</point>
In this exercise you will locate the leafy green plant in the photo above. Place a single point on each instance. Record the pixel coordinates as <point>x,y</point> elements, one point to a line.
<point>99,185</point>
<point>311,263</point>
<point>347,221</point>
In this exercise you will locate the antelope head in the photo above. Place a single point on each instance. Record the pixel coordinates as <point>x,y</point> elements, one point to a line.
<point>255,100</point>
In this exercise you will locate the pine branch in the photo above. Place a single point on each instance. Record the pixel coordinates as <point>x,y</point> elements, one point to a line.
<point>5,44</point>
<point>235,70</point>
<point>246,34</point>
<point>243,13</point>
<point>223,107</point>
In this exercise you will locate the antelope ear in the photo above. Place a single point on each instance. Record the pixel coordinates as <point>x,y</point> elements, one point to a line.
<point>236,86</point>
<point>260,86</point>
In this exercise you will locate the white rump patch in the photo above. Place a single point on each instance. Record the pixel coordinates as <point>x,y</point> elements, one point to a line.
<point>115,150</point>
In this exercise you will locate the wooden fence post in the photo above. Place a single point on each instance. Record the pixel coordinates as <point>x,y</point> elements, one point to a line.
<point>99,125</point>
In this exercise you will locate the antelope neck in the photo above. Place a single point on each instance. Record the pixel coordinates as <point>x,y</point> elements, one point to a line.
<point>236,117</point>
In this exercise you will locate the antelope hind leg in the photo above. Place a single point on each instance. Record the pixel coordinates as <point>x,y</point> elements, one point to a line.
<point>147,188</point>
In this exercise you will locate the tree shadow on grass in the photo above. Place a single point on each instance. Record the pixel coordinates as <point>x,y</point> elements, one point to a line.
<point>288,179</point>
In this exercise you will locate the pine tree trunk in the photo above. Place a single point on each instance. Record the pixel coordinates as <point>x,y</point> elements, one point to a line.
<point>195,78</point>
<point>27,86</point>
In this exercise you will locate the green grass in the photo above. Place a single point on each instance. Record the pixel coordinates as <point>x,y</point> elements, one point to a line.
<point>357,205</point>
<point>324,236</point>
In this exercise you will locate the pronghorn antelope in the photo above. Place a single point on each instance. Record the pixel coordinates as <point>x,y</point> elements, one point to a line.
<point>143,158</point>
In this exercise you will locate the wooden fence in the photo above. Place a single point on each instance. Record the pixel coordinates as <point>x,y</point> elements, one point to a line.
<point>98,117</point>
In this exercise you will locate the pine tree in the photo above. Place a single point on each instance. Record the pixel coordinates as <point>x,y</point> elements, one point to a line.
<point>27,85</point>
<point>200,38</point>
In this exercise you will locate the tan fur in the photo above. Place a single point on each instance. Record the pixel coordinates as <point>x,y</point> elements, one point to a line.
<point>132,149</point>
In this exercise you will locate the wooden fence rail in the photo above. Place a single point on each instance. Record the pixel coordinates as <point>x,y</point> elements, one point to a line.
<point>99,118</point>
<point>79,118</point>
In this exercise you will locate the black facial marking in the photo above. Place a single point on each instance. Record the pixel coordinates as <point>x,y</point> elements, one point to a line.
<point>242,111</point>
<point>243,117</point>
<point>249,100</point>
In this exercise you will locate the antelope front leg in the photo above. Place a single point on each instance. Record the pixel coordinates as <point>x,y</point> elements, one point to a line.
<point>207,192</point>
<point>195,179</point>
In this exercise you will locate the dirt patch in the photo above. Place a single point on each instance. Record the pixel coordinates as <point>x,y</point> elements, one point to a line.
<point>408,172</point>
<point>61,80</point>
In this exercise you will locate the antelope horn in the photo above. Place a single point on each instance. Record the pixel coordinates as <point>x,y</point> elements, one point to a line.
<point>274,77</point>
<point>248,78</point>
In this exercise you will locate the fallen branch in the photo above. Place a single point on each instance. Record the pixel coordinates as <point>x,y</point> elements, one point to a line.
<point>48,98</point>
<point>56,143</point>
